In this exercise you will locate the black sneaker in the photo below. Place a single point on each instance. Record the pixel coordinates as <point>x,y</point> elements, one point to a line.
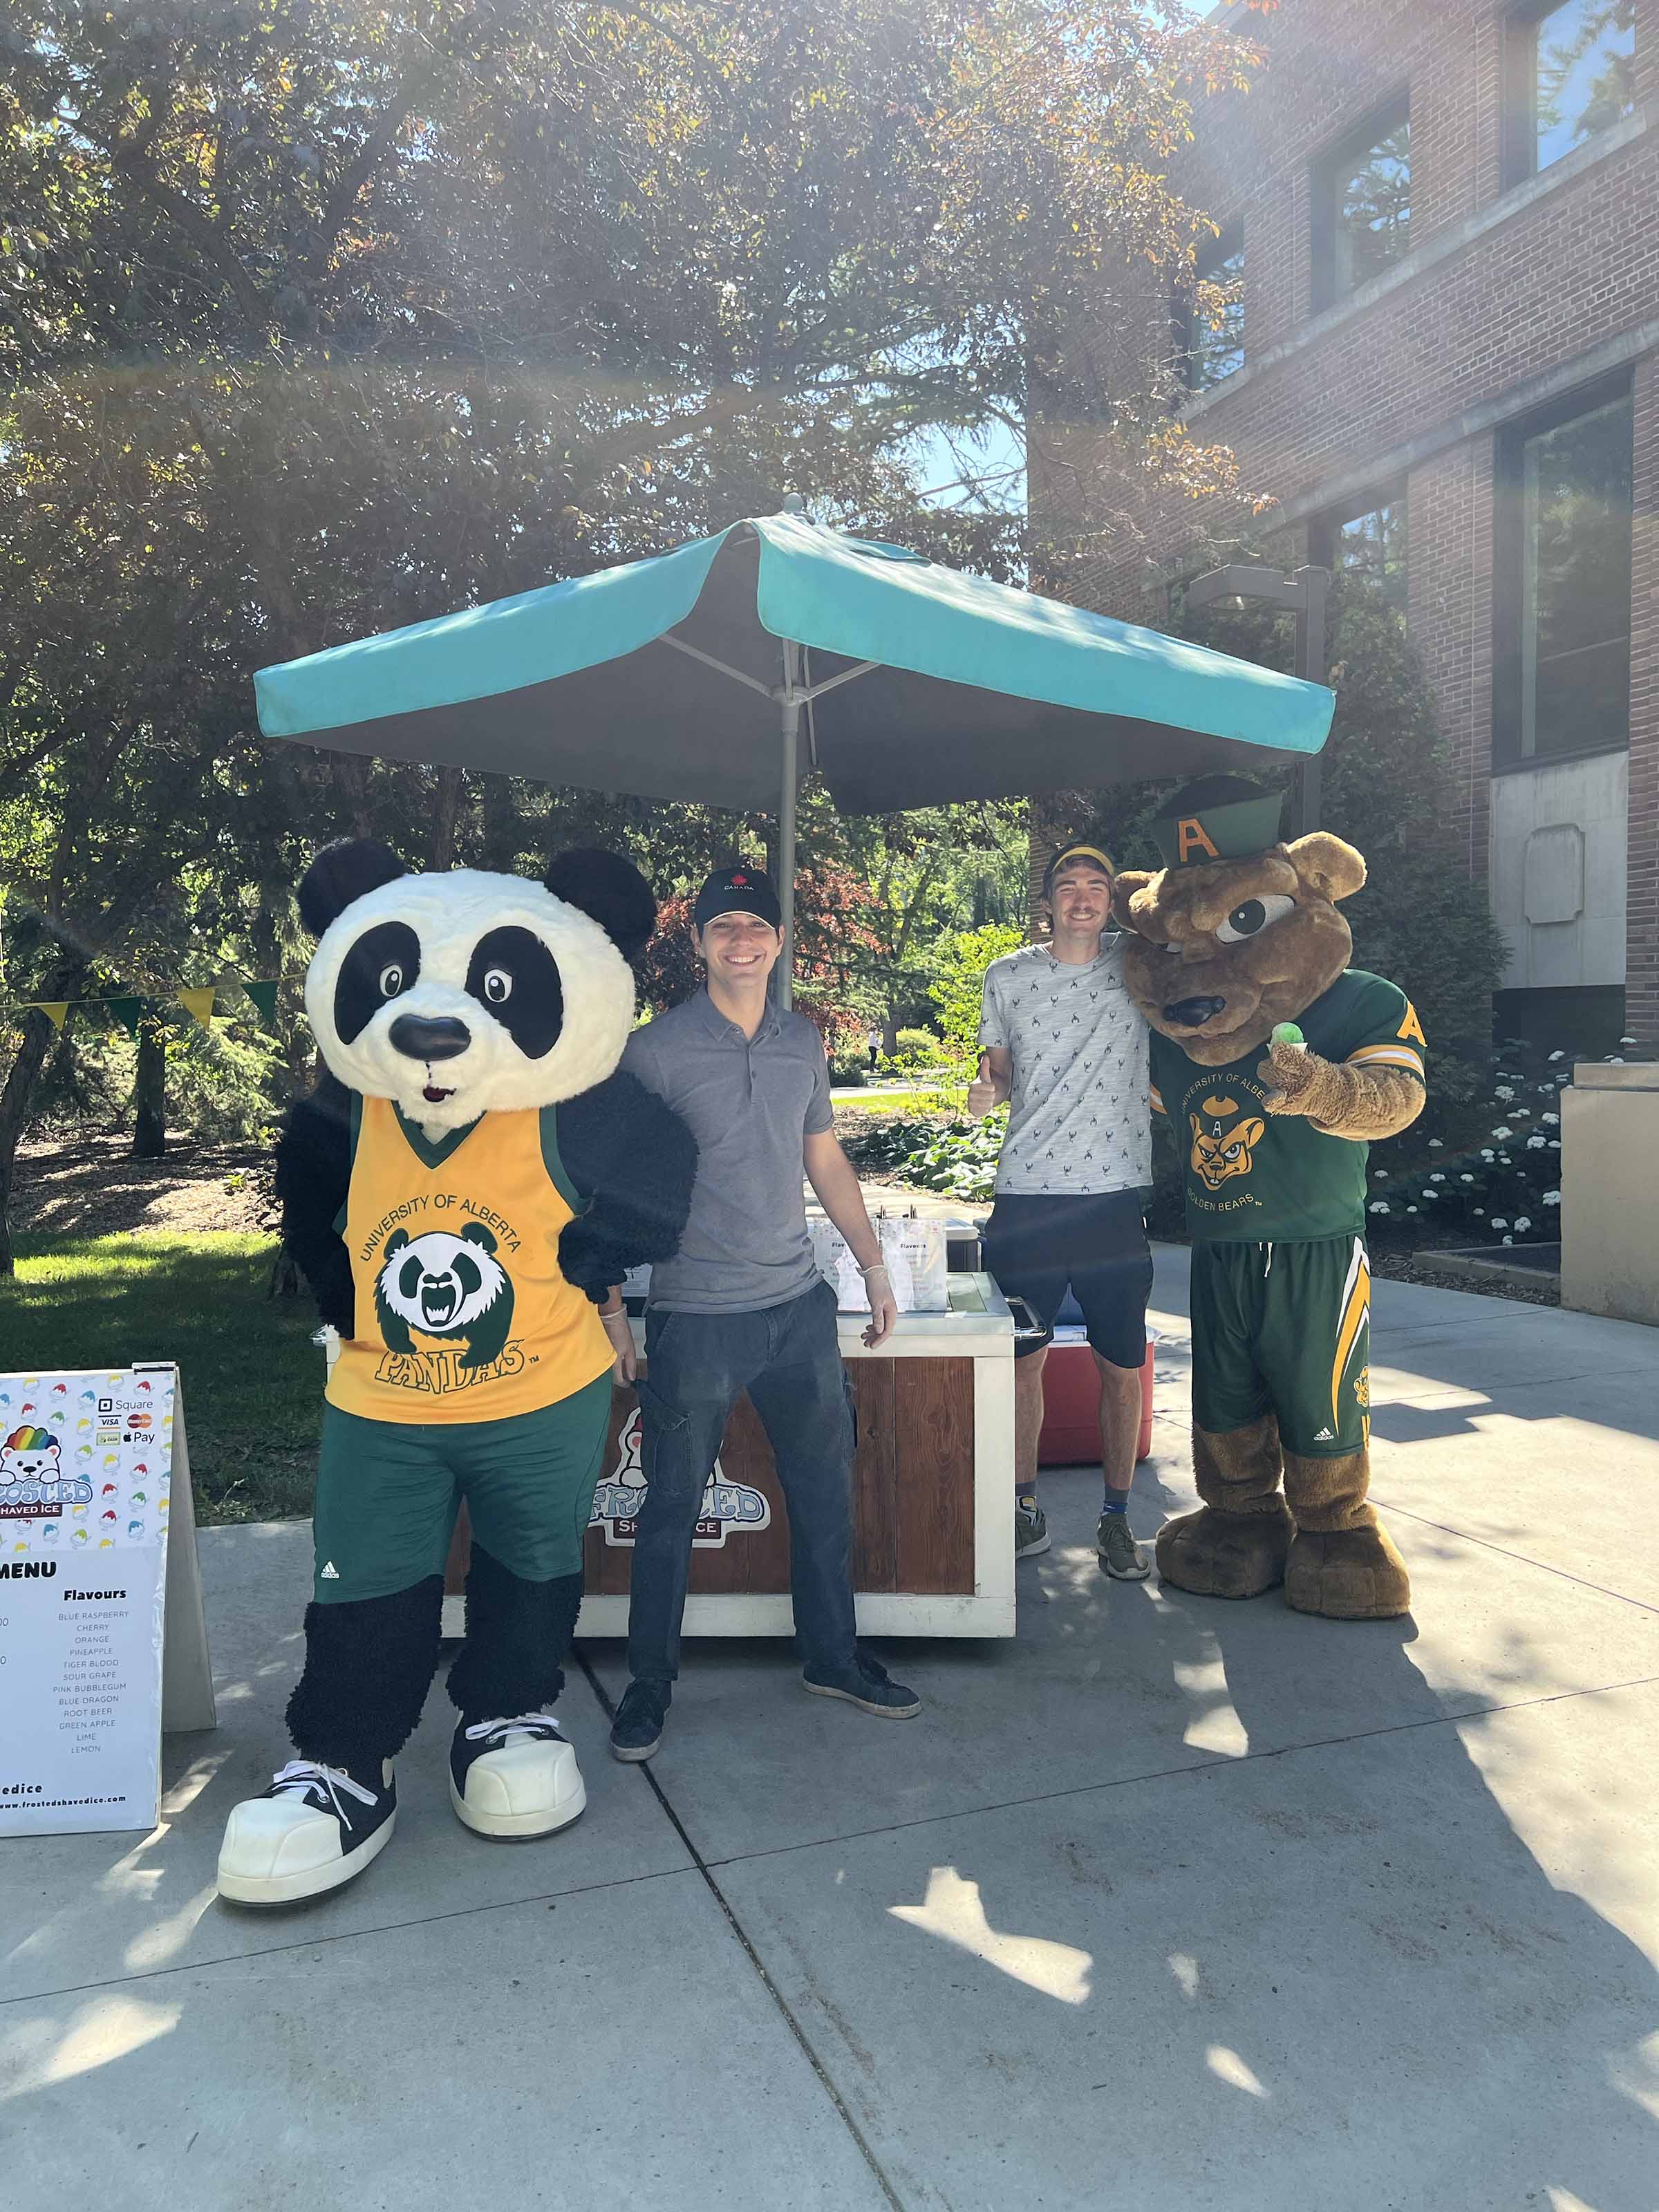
<point>637,1729</point>
<point>866,1685</point>
<point>315,1828</point>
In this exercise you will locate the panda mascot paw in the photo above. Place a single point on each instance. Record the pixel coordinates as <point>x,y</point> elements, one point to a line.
<point>470,1176</point>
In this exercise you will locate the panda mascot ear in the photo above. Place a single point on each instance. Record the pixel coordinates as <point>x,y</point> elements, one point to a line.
<point>342,872</point>
<point>612,891</point>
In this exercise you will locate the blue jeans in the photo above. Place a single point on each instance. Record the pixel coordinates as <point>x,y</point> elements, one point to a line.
<point>788,1360</point>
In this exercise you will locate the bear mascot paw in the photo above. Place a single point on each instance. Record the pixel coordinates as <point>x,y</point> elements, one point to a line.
<point>1278,1066</point>
<point>469,1180</point>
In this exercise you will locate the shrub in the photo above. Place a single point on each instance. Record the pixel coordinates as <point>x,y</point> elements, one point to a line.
<point>958,1157</point>
<point>961,961</point>
<point>1495,1176</point>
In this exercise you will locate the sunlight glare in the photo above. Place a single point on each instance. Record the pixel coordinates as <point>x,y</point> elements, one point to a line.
<point>107,2028</point>
<point>953,1912</point>
<point>1227,2066</point>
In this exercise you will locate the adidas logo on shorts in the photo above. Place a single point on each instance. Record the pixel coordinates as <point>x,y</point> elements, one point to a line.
<point>331,1574</point>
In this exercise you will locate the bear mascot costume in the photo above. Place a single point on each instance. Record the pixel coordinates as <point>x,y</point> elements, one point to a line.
<point>1236,942</point>
<point>466,1184</point>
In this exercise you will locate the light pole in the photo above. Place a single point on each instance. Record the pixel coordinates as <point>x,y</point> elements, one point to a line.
<point>1302,593</point>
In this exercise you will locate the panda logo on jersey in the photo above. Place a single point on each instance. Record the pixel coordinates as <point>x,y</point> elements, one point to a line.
<point>445,1286</point>
<point>465,993</point>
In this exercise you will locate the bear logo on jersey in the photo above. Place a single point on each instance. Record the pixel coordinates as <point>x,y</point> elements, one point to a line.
<point>445,1286</point>
<point>1222,1147</point>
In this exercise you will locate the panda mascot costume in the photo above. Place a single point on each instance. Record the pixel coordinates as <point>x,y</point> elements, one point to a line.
<point>463,1190</point>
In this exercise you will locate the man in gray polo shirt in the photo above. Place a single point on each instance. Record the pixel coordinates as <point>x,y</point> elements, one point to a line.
<point>742,1307</point>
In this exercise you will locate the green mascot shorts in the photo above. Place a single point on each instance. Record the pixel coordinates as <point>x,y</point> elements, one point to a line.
<point>1285,1327</point>
<point>388,1493</point>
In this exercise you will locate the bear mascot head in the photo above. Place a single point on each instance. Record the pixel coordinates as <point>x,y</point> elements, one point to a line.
<point>1238,932</point>
<point>1238,946</point>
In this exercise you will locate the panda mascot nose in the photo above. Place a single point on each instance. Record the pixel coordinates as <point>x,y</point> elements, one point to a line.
<point>1186,1013</point>
<point>418,1038</point>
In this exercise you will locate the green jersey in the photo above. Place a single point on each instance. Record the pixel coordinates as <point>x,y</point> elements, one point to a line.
<point>1266,1178</point>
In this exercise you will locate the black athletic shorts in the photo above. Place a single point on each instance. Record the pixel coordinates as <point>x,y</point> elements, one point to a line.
<point>1038,1245</point>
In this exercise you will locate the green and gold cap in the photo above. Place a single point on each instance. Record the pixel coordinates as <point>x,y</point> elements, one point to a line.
<point>1219,817</point>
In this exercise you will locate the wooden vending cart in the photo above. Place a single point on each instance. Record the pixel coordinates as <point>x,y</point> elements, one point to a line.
<point>933,1493</point>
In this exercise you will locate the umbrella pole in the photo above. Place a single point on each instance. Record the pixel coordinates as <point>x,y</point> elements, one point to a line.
<point>786,830</point>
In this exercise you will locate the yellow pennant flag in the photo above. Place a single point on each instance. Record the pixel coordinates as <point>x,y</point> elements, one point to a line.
<point>199,1005</point>
<point>55,1010</point>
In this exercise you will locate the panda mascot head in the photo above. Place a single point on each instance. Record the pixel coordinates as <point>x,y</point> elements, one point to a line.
<point>465,994</point>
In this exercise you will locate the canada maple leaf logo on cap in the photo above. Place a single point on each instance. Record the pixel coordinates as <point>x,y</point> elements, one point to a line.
<point>739,881</point>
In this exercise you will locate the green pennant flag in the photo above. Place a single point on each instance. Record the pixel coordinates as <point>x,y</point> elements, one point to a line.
<point>264,996</point>
<point>126,1011</point>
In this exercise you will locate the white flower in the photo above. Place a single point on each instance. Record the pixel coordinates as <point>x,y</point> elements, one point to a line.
<point>1426,1193</point>
<point>1627,1040</point>
<point>1410,1209</point>
<point>1436,1177</point>
<point>1556,1056</point>
<point>1551,1198</point>
<point>1435,1145</point>
<point>1498,1222</point>
<point>1555,1144</point>
<point>1615,1060</point>
<point>1467,1178</point>
<point>1553,1120</point>
<point>1379,1175</point>
<point>1523,1221</point>
<point>1479,1213</point>
<point>1523,1113</point>
<point>1509,1240</point>
<point>1379,1205</point>
<point>1487,1154</point>
<point>1501,1134</point>
<point>1505,1091</point>
<point>1536,1144</point>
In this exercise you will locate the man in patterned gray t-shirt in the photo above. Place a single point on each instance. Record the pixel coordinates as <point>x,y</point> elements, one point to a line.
<point>1062,1041</point>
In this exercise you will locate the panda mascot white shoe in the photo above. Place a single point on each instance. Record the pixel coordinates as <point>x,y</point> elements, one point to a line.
<point>462,1190</point>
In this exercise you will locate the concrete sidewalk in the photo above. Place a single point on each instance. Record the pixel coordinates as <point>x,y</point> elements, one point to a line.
<point>1167,1904</point>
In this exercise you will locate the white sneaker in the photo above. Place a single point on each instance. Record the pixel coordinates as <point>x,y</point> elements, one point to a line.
<point>313,1830</point>
<point>514,1777</point>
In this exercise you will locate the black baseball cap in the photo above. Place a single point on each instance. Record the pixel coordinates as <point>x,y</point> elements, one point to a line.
<point>737,891</point>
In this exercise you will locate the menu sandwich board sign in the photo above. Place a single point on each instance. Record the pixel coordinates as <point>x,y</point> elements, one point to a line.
<point>102,1639</point>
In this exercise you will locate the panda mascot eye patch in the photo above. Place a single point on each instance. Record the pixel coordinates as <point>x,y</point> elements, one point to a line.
<point>384,963</point>
<point>513,974</point>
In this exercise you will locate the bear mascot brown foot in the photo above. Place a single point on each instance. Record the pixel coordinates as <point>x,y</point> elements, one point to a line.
<point>1241,948</point>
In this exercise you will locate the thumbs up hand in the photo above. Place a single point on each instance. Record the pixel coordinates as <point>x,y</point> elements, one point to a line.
<point>983,1091</point>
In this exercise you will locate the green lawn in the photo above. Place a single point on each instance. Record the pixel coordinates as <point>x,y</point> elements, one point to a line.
<point>252,1381</point>
<point>905,1104</point>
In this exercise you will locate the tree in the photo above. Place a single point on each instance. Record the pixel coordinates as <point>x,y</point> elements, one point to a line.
<point>319,318</point>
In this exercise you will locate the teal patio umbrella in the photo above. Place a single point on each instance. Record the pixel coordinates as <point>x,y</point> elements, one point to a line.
<point>717,671</point>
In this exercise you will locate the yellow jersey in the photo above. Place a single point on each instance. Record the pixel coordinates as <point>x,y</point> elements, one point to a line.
<point>462,1314</point>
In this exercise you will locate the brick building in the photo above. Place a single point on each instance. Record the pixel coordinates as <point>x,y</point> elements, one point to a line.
<point>1443,224</point>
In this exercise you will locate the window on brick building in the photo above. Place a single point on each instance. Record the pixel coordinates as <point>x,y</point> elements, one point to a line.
<point>1210,328</point>
<point>1362,206</point>
<point>1367,541</point>
<point>1571,70</point>
<point>1562,673</point>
